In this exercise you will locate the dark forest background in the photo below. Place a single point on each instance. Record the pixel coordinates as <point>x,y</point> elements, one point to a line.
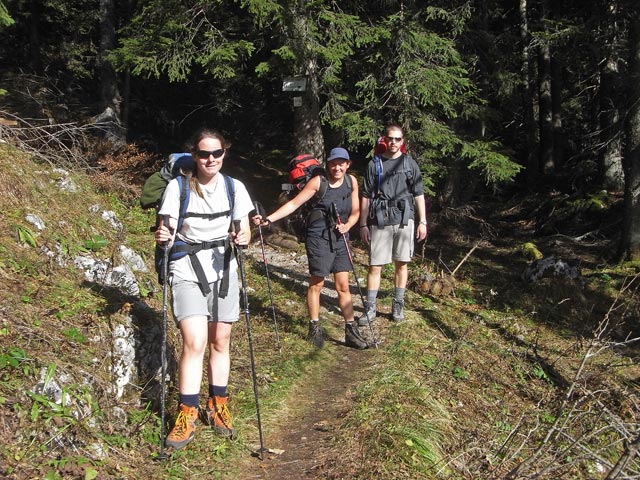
<point>496,97</point>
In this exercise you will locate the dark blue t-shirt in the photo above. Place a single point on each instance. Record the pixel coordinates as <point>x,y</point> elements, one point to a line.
<point>319,225</point>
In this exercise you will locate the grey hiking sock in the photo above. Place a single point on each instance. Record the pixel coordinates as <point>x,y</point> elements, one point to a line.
<point>398,293</point>
<point>371,297</point>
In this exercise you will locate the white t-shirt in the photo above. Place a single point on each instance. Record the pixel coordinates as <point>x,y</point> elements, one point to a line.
<point>198,230</point>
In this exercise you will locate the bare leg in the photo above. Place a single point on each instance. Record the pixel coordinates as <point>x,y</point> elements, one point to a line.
<point>313,296</point>
<point>219,358</point>
<point>401,274</point>
<point>344,295</point>
<point>194,343</point>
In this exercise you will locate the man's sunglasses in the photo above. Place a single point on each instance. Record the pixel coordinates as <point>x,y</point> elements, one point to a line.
<point>394,139</point>
<point>205,153</point>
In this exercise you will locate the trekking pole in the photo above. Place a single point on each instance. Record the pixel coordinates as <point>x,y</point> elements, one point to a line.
<point>245,310</point>
<point>260,211</point>
<point>162,455</point>
<point>353,268</point>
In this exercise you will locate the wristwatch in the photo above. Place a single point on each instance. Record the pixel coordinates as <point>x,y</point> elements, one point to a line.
<point>423,222</point>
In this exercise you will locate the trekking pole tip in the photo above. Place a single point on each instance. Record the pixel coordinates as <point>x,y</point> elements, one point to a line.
<point>259,453</point>
<point>161,456</point>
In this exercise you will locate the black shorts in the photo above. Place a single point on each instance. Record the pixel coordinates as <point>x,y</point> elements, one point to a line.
<point>323,259</point>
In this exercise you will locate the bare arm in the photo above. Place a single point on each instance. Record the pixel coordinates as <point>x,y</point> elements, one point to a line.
<point>365,235</point>
<point>421,210</point>
<point>306,194</point>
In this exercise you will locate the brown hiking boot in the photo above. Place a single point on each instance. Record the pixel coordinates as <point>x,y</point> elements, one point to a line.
<point>219,416</point>
<point>184,429</point>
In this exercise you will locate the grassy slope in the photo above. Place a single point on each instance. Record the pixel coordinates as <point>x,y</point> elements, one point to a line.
<point>468,388</point>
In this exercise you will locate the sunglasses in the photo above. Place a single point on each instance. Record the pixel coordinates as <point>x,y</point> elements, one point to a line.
<point>205,153</point>
<point>394,139</point>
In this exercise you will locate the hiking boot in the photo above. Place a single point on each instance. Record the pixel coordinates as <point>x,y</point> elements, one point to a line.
<point>369,314</point>
<point>219,416</point>
<point>397,311</point>
<point>316,335</point>
<point>352,337</point>
<point>184,429</point>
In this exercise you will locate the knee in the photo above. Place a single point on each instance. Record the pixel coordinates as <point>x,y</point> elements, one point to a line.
<point>194,346</point>
<point>342,288</point>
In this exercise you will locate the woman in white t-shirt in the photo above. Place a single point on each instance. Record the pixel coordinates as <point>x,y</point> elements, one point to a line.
<point>204,280</point>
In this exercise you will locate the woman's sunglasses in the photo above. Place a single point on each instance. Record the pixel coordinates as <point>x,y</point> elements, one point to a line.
<point>205,153</point>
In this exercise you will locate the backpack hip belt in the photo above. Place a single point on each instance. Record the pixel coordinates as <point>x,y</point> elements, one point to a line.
<point>379,210</point>
<point>180,249</point>
<point>405,208</point>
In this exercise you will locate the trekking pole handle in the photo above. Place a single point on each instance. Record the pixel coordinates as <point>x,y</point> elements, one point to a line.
<point>334,212</point>
<point>236,228</point>
<point>259,208</point>
<point>166,222</point>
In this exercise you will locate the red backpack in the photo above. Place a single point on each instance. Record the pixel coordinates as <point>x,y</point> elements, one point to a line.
<point>302,169</point>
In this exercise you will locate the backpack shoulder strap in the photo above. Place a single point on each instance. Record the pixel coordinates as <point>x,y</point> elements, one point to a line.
<point>378,163</point>
<point>347,179</point>
<point>185,193</point>
<point>231,191</point>
<point>230,188</point>
<point>408,171</point>
<point>322,190</point>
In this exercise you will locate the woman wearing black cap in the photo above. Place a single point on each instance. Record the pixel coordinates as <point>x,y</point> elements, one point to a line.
<point>326,250</point>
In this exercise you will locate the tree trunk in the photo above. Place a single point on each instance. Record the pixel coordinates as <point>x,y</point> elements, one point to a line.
<point>35,59</point>
<point>545,113</point>
<point>308,136</point>
<point>482,15</point>
<point>110,100</point>
<point>610,118</point>
<point>556,107</point>
<point>629,248</point>
<point>451,190</point>
<point>527,95</point>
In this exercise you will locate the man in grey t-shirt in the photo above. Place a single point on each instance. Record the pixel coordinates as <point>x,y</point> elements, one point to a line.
<point>392,196</point>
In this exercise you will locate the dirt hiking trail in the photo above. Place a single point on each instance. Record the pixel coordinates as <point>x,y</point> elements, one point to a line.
<point>300,433</point>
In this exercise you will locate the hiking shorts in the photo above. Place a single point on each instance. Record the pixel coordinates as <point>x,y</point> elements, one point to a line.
<point>324,260</point>
<point>391,243</point>
<point>189,301</point>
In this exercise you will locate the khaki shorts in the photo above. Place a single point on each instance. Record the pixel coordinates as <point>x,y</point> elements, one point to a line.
<point>188,301</point>
<point>392,243</point>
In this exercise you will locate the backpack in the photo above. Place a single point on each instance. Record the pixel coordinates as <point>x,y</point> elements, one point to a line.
<point>379,207</point>
<point>152,194</point>
<point>303,168</point>
<point>154,187</point>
